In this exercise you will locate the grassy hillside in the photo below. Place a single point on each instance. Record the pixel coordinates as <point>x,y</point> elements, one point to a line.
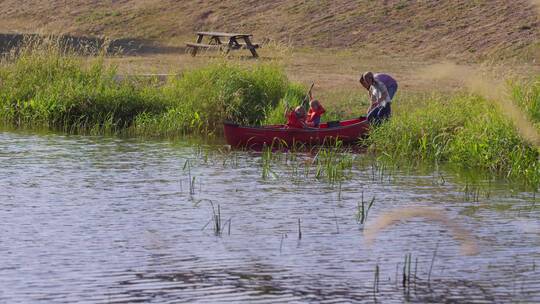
<point>462,29</point>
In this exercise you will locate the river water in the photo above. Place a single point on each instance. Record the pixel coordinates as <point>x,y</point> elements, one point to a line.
<point>112,220</point>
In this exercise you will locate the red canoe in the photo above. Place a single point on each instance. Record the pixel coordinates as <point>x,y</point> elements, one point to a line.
<point>249,137</point>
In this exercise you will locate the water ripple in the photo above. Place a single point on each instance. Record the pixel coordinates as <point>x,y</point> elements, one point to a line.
<point>109,220</point>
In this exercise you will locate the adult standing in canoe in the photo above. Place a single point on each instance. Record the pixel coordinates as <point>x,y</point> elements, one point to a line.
<point>381,88</point>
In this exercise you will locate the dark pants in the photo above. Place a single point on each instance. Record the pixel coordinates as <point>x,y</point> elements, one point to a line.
<point>379,114</point>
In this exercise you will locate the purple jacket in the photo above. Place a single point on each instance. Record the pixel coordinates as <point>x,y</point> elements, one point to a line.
<point>386,79</point>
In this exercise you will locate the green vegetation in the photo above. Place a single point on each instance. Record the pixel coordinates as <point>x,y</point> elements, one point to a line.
<point>465,131</point>
<point>293,97</point>
<point>199,101</point>
<point>46,85</point>
<point>331,162</point>
<point>527,96</point>
<point>362,209</point>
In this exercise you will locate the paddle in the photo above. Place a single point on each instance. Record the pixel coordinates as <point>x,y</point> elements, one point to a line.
<point>304,101</point>
<point>308,95</point>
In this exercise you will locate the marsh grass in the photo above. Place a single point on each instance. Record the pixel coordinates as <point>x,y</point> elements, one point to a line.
<point>471,193</point>
<point>362,209</point>
<point>202,99</point>
<point>406,279</point>
<point>44,84</point>
<point>293,96</point>
<point>191,179</point>
<point>376,277</point>
<point>267,157</point>
<point>527,96</point>
<point>217,219</point>
<point>299,230</point>
<point>331,162</point>
<point>465,131</point>
<point>217,223</point>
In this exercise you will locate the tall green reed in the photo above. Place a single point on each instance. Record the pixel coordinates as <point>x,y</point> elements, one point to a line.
<point>333,162</point>
<point>202,99</point>
<point>465,131</point>
<point>47,85</point>
<point>293,97</point>
<point>527,96</point>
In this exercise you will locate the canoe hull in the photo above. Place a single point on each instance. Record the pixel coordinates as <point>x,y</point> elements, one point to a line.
<point>347,131</point>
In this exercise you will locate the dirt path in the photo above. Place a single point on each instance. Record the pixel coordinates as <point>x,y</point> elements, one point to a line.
<point>333,72</point>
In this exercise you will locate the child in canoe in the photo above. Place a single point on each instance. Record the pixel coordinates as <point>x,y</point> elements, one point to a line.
<point>313,118</point>
<point>295,119</point>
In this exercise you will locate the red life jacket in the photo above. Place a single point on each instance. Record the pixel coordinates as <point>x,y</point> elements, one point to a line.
<point>293,121</point>
<point>314,116</point>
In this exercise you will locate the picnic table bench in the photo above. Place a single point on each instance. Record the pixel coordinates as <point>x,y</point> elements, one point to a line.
<point>224,41</point>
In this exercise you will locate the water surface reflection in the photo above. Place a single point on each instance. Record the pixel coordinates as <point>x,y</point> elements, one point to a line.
<point>109,220</point>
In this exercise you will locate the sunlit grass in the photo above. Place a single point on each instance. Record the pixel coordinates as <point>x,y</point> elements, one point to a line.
<point>527,96</point>
<point>464,131</point>
<point>47,85</point>
<point>50,86</point>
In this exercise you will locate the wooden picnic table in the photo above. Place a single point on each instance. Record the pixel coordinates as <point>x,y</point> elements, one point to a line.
<point>224,41</point>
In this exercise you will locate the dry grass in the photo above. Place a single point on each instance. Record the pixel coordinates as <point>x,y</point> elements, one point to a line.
<point>536,4</point>
<point>326,42</point>
<point>335,73</point>
<point>449,29</point>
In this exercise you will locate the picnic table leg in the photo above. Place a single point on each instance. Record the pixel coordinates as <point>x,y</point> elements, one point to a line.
<point>215,40</point>
<point>232,43</point>
<point>199,40</point>
<point>228,49</point>
<point>251,47</point>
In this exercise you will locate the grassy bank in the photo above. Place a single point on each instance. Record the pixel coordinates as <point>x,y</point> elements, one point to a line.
<point>45,85</point>
<point>200,100</point>
<point>465,131</point>
<point>527,96</point>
